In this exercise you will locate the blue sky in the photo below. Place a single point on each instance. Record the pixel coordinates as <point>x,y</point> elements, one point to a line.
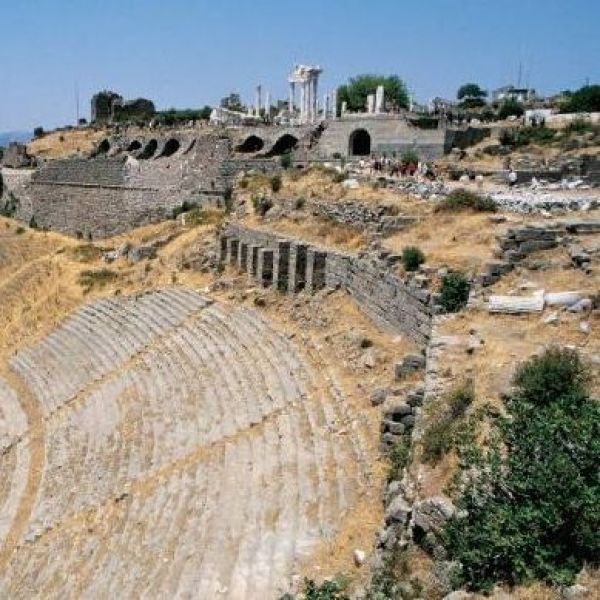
<point>187,53</point>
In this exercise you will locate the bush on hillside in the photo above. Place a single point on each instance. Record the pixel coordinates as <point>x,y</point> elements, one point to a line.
<point>461,199</point>
<point>286,160</point>
<point>412,258</point>
<point>440,436</point>
<point>533,511</point>
<point>276,183</point>
<point>261,204</point>
<point>454,292</point>
<point>585,99</point>
<point>409,156</point>
<point>510,108</point>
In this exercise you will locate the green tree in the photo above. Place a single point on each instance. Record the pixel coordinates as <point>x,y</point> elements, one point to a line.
<point>510,108</point>
<point>533,511</point>
<point>585,99</point>
<point>357,89</point>
<point>470,90</point>
<point>471,96</point>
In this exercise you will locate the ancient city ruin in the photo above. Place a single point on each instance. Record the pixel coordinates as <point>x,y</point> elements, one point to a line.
<point>268,350</point>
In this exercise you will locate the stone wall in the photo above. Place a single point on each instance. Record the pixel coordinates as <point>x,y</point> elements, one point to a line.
<point>517,243</point>
<point>105,196</point>
<point>388,134</point>
<point>293,266</point>
<point>359,215</point>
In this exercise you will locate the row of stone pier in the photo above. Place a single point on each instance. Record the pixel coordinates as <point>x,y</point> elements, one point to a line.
<point>289,267</point>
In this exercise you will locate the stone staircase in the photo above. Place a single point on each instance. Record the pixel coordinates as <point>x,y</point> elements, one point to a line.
<point>189,450</point>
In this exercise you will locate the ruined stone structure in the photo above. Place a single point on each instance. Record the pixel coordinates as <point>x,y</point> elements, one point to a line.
<point>142,182</point>
<point>306,78</point>
<point>366,134</point>
<point>107,106</point>
<point>16,157</point>
<point>294,266</point>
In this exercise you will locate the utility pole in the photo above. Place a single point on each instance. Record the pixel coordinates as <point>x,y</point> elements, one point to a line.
<point>77,103</point>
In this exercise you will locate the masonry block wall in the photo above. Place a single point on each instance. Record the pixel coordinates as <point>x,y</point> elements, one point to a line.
<point>296,266</point>
<point>106,196</point>
<point>388,134</point>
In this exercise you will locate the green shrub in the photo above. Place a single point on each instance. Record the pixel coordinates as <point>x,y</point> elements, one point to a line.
<point>275,183</point>
<point>228,199</point>
<point>20,230</point>
<point>185,206</point>
<point>328,590</point>
<point>577,127</point>
<point>398,457</point>
<point>510,108</point>
<point>461,199</point>
<point>412,258</point>
<point>9,206</point>
<point>261,204</point>
<point>243,183</point>
<point>299,203</point>
<point>442,433</point>
<point>585,99</point>
<point>454,292</point>
<point>528,135</point>
<point>409,156</point>
<point>533,511</point>
<point>286,160</point>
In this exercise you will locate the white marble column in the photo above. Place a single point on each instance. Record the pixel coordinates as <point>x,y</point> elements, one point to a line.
<point>315,98</point>
<point>258,101</point>
<point>371,103</point>
<point>292,100</point>
<point>379,99</point>
<point>302,101</point>
<point>268,105</point>
<point>334,104</point>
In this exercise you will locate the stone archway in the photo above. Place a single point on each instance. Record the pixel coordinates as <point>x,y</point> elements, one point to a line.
<point>359,143</point>
<point>149,150</point>
<point>170,148</point>
<point>286,143</point>
<point>251,144</point>
<point>134,145</point>
<point>103,147</point>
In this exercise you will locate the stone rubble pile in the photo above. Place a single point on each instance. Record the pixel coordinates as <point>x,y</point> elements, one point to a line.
<point>531,201</point>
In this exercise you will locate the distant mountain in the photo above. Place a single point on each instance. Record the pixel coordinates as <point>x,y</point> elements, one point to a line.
<point>14,136</point>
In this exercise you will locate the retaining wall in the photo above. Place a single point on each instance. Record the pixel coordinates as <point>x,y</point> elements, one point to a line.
<point>295,266</point>
<point>106,196</point>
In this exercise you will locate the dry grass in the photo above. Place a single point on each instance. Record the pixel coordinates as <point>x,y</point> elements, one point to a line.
<point>62,144</point>
<point>322,232</point>
<point>459,241</point>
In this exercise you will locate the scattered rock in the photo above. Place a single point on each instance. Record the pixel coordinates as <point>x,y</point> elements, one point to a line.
<point>584,327</point>
<point>431,514</point>
<point>574,592</point>
<point>398,511</point>
<point>551,319</point>
<point>369,360</point>
<point>378,396</point>
<point>397,412</point>
<point>359,557</point>
<point>409,364</point>
<point>458,595</point>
